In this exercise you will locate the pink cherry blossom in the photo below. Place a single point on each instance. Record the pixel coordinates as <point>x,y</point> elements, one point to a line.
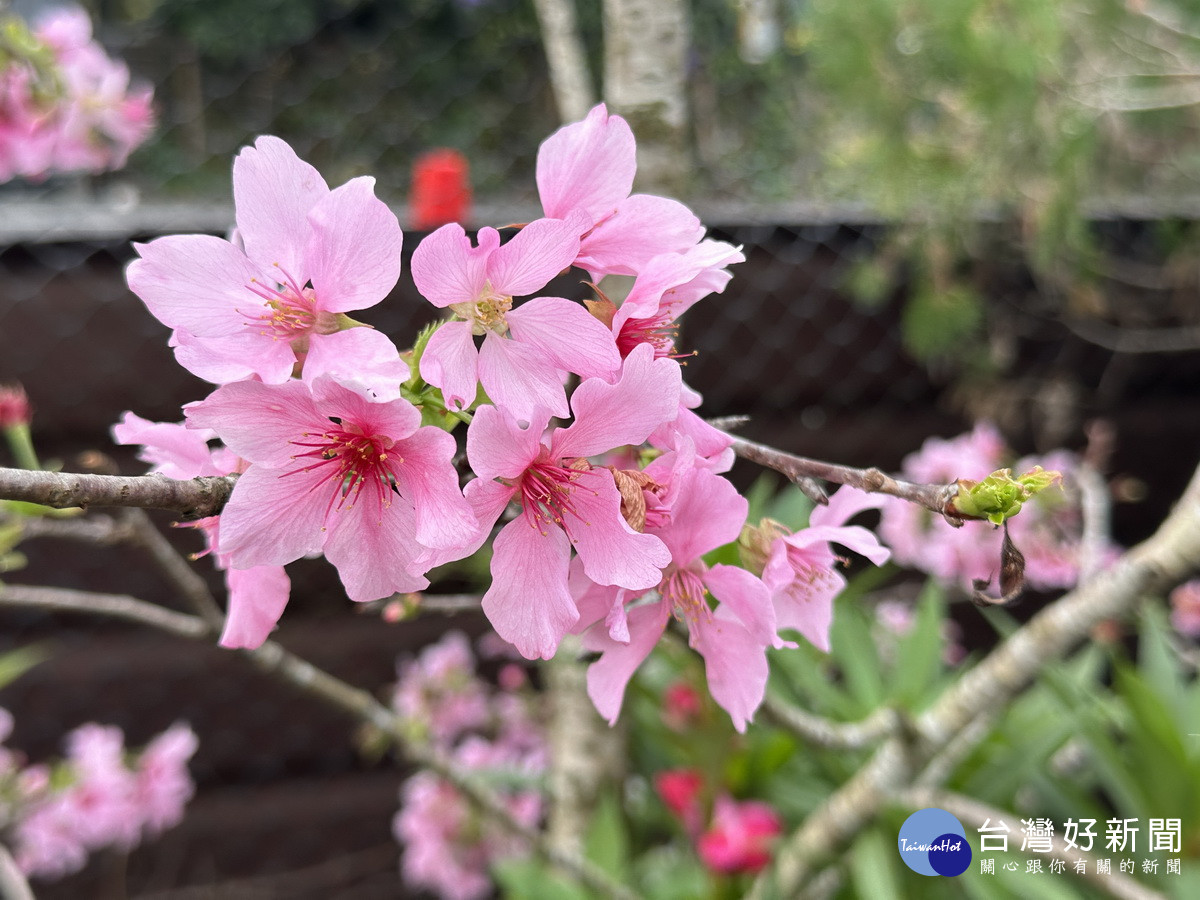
<point>65,105</point>
<point>590,166</point>
<point>334,470</point>
<point>667,287</point>
<point>438,692</point>
<point>306,255</point>
<point>95,800</point>
<point>740,836</point>
<point>565,501</point>
<point>258,595</point>
<point>448,845</point>
<point>527,351</point>
<point>801,569</point>
<point>163,784</point>
<point>707,512</point>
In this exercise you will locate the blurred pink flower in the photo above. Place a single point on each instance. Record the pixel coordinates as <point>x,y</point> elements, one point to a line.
<point>1185,608</point>
<point>740,836</point>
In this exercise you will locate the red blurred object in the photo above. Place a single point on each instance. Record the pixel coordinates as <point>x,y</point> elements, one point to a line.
<point>14,406</point>
<point>441,189</point>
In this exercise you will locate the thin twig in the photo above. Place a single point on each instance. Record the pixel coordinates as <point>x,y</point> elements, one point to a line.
<point>972,812</point>
<point>1159,562</point>
<point>99,530</point>
<point>1178,339</point>
<point>119,606</point>
<point>175,567</point>
<point>938,498</point>
<point>195,498</point>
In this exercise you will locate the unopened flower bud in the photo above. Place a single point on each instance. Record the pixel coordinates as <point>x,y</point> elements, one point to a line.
<point>14,406</point>
<point>754,544</point>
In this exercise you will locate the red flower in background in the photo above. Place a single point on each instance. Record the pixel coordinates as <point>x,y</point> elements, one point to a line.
<point>441,189</point>
<point>740,837</point>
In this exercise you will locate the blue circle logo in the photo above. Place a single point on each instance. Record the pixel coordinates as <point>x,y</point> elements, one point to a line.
<point>933,842</point>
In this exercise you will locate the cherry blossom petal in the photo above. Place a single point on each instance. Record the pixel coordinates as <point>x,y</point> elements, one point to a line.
<point>735,664</point>
<point>257,598</point>
<point>361,357</point>
<point>852,537</point>
<point>174,450</point>
<point>612,415</point>
<point>447,269</point>
<point>257,421</point>
<point>612,552</point>
<point>567,335</point>
<point>352,256</point>
<point>707,513</point>
<point>450,362</point>
<point>746,597</point>
<point>843,505</point>
<point>273,191</point>
<point>528,603</point>
<point>395,419</point>
<point>711,445</point>
<point>272,519</point>
<point>808,608</point>
<point>587,165</point>
<point>374,550</point>
<point>234,357</point>
<point>644,226</point>
<point>196,282</point>
<point>537,253</point>
<point>427,479</point>
<point>608,676</point>
<point>519,378</point>
<point>488,500</point>
<point>498,447</point>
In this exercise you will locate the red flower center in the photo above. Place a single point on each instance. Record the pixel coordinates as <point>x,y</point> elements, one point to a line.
<point>353,462</point>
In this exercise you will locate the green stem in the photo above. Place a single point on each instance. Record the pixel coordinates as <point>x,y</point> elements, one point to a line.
<point>20,442</point>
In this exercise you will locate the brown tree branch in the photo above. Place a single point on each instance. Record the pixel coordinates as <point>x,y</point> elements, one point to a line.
<point>192,499</point>
<point>938,498</point>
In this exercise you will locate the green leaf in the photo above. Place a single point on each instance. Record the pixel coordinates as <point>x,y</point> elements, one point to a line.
<point>667,873</point>
<point>919,652</point>
<point>17,662</point>
<point>607,841</point>
<point>873,861</point>
<point>853,649</point>
<point>529,879</point>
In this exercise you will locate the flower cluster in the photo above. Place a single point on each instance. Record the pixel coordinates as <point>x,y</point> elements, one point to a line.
<point>97,797</point>
<point>1048,531</point>
<point>344,448</point>
<point>65,105</point>
<point>448,846</point>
